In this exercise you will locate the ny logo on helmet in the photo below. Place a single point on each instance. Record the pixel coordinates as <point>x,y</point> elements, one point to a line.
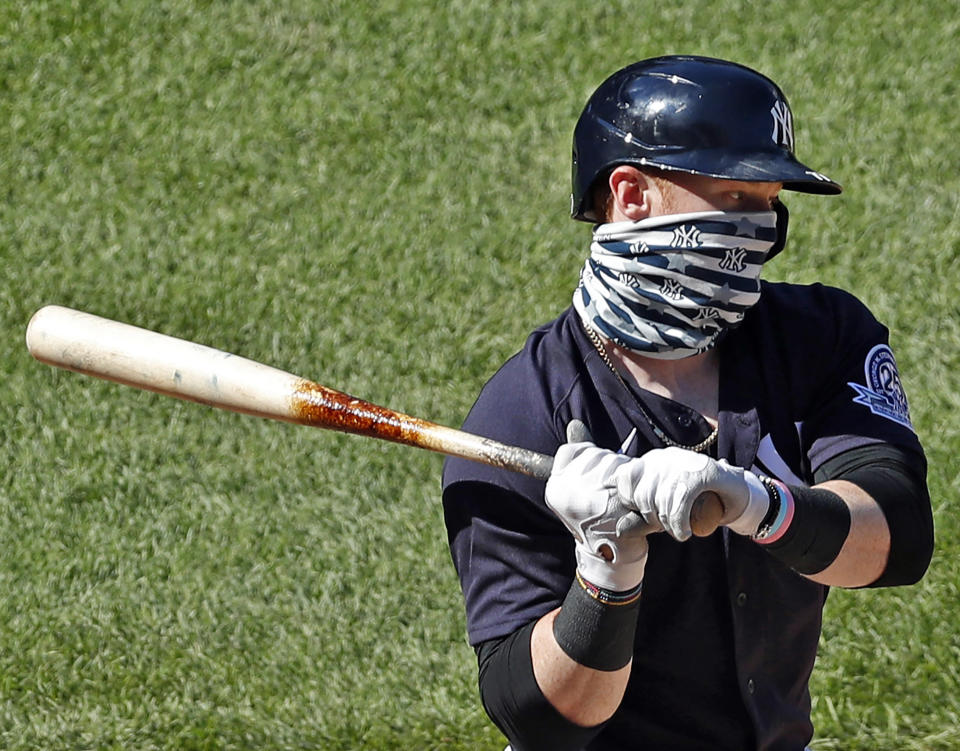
<point>782,124</point>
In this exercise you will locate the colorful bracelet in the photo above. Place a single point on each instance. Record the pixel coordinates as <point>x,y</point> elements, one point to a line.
<point>607,597</point>
<point>779,516</point>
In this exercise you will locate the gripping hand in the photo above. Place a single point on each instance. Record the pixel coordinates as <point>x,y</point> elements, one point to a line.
<point>611,544</point>
<point>663,485</point>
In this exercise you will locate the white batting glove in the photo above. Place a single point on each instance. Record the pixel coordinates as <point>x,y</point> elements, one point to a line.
<point>663,484</point>
<point>582,491</point>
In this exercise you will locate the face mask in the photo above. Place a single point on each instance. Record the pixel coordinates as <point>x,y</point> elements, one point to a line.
<point>668,286</point>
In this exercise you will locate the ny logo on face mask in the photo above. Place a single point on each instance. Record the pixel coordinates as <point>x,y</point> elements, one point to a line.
<point>734,259</point>
<point>671,288</point>
<point>686,236</point>
<point>782,124</point>
<point>707,319</point>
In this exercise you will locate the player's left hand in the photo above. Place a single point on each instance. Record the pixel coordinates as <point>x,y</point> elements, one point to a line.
<point>611,546</point>
<point>663,485</point>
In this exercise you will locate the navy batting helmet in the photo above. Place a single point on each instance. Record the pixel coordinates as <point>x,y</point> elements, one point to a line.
<point>692,114</point>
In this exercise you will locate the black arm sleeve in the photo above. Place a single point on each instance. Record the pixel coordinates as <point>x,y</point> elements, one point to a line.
<point>515,703</point>
<point>896,479</point>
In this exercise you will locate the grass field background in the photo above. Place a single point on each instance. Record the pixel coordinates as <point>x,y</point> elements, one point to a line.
<point>374,195</point>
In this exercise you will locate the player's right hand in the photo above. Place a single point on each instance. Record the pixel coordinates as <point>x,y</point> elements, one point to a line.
<point>611,544</point>
<point>664,484</point>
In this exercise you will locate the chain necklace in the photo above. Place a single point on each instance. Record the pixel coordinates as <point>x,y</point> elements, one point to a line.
<point>705,444</point>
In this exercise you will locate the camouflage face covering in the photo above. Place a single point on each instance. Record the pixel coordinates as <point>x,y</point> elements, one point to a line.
<point>668,286</point>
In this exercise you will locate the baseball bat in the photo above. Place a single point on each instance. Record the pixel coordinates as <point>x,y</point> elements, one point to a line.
<point>133,356</point>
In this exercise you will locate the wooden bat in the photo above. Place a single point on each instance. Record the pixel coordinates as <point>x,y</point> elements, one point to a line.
<point>115,351</point>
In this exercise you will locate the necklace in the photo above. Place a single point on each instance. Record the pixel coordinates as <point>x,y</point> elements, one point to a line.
<point>657,431</point>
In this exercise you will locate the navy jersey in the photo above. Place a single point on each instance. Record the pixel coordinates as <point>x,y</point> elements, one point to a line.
<point>727,635</point>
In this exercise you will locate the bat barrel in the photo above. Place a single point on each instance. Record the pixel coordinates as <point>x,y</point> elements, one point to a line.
<point>145,359</point>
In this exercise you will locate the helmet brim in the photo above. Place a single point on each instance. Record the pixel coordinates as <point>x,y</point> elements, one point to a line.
<point>775,166</point>
<point>771,166</point>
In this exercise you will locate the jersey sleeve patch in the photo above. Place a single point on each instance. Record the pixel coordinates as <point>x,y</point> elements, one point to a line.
<point>883,393</point>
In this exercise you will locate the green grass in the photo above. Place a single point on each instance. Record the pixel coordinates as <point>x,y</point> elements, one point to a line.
<point>374,195</point>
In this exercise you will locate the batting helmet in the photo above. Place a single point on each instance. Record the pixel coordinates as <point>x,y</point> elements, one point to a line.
<point>693,114</point>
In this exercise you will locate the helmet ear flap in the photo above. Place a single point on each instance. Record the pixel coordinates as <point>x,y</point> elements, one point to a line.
<point>783,219</point>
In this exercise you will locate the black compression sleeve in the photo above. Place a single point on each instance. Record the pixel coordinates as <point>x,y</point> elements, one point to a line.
<point>896,480</point>
<point>515,703</point>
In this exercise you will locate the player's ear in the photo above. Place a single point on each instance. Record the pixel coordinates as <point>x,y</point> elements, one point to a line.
<point>632,194</point>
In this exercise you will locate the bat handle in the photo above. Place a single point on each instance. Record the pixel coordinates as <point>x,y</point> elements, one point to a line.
<point>706,514</point>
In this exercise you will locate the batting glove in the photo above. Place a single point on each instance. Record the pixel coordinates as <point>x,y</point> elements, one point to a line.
<point>663,484</point>
<point>611,543</point>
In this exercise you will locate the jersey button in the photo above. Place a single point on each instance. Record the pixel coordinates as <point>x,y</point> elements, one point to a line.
<point>742,599</point>
<point>751,686</point>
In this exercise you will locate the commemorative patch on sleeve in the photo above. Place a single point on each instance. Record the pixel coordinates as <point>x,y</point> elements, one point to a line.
<point>883,395</point>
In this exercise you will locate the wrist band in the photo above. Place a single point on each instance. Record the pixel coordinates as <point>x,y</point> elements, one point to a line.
<point>595,627</point>
<point>808,529</point>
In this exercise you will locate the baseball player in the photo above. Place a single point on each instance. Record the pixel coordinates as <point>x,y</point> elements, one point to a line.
<point>599,620</point>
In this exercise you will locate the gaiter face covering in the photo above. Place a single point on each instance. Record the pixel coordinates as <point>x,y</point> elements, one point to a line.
<point>668,286</point>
